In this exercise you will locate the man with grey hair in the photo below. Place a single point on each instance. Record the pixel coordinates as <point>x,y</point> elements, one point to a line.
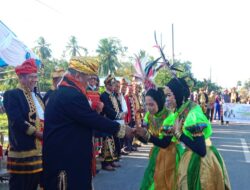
<point>69,125</point>
<point>25,111</point>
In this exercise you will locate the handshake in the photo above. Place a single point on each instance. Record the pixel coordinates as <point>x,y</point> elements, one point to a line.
<point>139,132</point>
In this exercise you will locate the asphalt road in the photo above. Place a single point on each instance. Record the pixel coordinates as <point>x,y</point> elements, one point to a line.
<point>233,142</point>
<point>129,176</point>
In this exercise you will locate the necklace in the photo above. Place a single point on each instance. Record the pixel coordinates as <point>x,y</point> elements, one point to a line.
<point>155,121</point>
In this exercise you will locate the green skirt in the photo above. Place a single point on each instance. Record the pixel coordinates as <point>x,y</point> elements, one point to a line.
<point>161,172</point>
<point>202,173</point>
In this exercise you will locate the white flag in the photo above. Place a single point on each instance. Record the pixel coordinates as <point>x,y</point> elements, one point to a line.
<point>12,51</point>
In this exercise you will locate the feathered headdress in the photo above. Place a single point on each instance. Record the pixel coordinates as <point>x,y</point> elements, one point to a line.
<point>172,68</point>
<point>145,71</point>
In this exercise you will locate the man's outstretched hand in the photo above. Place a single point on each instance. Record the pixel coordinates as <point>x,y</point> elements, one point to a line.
<point>129,132</point>
<point>140,131</point>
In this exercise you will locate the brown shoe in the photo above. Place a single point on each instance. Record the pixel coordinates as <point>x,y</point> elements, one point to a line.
<point>108,168</point>
<point>115,165</point>
<point>136,145</point>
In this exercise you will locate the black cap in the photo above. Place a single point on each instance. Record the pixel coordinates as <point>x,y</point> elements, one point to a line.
<point>158,96</point>
<point>180,90</point>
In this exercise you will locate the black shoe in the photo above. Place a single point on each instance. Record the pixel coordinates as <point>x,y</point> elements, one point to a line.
<point>115,165</point>
<point>128,150</point>
<point>136,145</point>
<point>134,149</point>
<point>108,168</point>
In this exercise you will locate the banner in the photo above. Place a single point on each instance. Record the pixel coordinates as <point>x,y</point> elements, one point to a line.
<point>12,51</point>
<point>236,112</point>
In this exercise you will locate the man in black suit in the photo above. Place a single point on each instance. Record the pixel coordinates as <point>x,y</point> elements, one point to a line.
<point>112,109</point>
<point>25,111</point>
<point>69,125</point>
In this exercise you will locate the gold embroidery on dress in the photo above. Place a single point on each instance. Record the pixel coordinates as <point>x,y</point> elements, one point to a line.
<point>137,108</point>
<point>31,104</point>
<point>108,149</point>
<point>114,103</point>
<point>62,180</point>
<point>154,130</point>
<point>33,110</point>
<point>137,103</point>
<point>132,103</point>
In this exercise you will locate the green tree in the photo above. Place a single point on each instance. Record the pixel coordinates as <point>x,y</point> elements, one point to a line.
<point>45,80</point>
<point>162,78</point>
<point>42,49</point>
<point>210,86</point>
<point>108,51</point>
<point>164,75</point>
<point>73,49</point>
<point>8,79</point>
<point>3,124</point>
<point>142,53</point>
<point>247,84</point>
<point>125,70</point>
<point>239,83</point>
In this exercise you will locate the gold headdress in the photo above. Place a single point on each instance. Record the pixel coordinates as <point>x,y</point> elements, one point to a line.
<point>86,65</point>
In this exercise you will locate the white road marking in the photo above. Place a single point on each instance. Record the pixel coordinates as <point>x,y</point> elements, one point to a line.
<point>233,132</point>
<point>225,138</point>
<point>232,150</point>
<point>245,149</point>
<point>234,146</point>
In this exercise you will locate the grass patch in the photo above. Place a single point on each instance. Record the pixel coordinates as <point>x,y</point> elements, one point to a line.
<point>3,124</point>
<point>4,127</point>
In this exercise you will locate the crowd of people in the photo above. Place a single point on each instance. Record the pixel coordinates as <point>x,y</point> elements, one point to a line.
<point>71,122</point>
<point>61,141</point>
<point>212,102</point>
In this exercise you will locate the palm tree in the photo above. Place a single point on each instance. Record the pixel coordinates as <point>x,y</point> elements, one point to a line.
<point>74,49</point>
<point>142,54</point>
<point>42,49</point>
<point>108,50</point>
<point>8,79</point>
<point>247,85</point>
<point>239,83</point>
<point>125,70</point>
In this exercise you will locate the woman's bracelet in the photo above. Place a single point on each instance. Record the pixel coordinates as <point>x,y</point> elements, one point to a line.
<point>147,136</point>
<point>177,134</point>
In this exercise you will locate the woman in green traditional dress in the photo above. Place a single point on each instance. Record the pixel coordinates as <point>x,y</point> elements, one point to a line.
<point>201,166</point>
<point>165,154</point>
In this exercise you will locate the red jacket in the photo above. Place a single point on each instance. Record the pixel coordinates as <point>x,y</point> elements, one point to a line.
<point>128,117</point>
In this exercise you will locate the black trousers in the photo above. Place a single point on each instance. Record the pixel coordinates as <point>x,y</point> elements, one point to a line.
<point>24,181</point>
<point>122,142</point>
<point>117,147</point>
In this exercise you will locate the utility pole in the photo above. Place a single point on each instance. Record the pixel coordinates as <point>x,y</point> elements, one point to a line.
<point>210,74</point>
<point>173,43</point>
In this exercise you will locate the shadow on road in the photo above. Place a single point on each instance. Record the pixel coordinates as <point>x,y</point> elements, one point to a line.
<point>129,176</point>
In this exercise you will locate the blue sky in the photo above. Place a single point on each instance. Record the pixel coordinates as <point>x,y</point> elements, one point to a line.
<point>211,34</point>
